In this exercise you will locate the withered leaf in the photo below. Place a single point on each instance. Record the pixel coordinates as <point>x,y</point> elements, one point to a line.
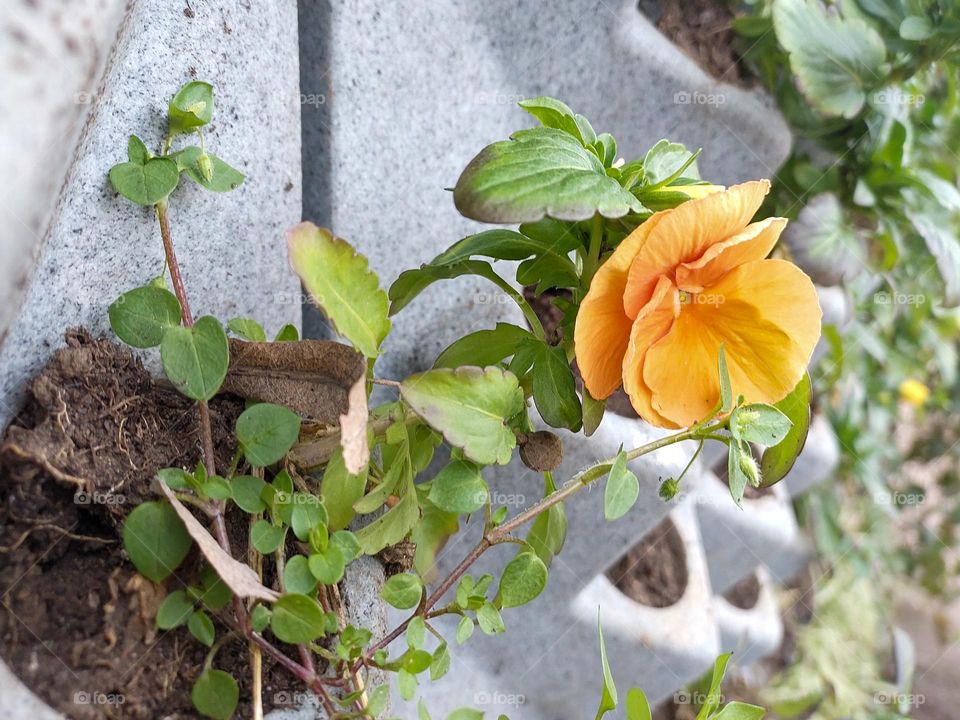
<point>353,428</point>
<point>313,378</point>
<point>240,578</point>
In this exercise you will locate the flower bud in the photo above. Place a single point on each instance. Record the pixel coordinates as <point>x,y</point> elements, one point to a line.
<point>914,392</point>
<point>206,166</point>
<point>669,488</point>
<point>749,468</point>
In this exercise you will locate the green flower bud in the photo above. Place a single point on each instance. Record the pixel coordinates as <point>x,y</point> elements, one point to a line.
<point>669,488</point>
<point>206,166</point>
<point>749,467</point>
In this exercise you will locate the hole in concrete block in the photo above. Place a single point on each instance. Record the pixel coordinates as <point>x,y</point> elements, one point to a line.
<point>744,594</point>
<point>654,571</point>
<point>719,469</point>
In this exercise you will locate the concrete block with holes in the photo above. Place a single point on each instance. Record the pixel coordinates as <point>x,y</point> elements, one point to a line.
<point>737,540</point>
<point>748,618</point>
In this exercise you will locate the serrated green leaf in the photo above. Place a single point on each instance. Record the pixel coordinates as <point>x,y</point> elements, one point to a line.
<point>523,579</point>
<point>297,619</point>
<point>341,284</point>
<point>403,591</point>
<point>196,359</point>
<point>622,489</point>
<point>665,162</point>
<point>470,407</point>
<point>459,488</point>
<point>266,432</point>
<point>145,183</point>
<point>538,173</point>
<point>484,347</point>
<point>155,539</point>
<point>215,694</point>
<point>191,107</point>
<point>140,316</point>
<point>835,59</point>
<point>776,461</point>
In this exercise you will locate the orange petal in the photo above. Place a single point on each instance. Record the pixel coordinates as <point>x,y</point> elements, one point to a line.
<point>768,319</point>
<point>684,234</point>
<point>753,243</point>
<point>653,322</point>
<point>603,329</point>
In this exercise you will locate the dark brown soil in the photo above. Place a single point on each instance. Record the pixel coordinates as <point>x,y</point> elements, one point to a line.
<point>77,621</point>
<point>653,572</point>
<point>703,30</point>
<point>744,594</point>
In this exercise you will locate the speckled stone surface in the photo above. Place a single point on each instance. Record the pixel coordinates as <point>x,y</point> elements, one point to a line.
<point>399,97</point>
<point>230,246</point>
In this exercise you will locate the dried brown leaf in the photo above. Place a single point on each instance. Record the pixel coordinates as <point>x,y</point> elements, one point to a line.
<point>353,429</point>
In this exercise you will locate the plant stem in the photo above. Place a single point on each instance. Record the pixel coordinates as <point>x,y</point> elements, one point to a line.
<point>502,533</point>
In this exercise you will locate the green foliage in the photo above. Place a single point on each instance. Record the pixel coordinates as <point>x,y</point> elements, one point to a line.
<point>191,107</point>
<point>207,170</point>
<point>195,359</point>
<point>470,407</point>
<point>266,432</point>
<point>341,283</point>
<point>215,694</point>
<point>778,459</point>
<point>543,172</point>
<point>459,488</point>
<point>155,539</point>
<point>523,579</point>
<point>139,317</point>
<point>622,489</point>
<point>297,618</point>
<point>403,591</point>
<point>145,183</point>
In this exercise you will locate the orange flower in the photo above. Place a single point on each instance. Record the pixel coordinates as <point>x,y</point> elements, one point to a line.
<point>680,285</point>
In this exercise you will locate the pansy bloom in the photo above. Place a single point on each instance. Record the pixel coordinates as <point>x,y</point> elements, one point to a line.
<point>685,282</point>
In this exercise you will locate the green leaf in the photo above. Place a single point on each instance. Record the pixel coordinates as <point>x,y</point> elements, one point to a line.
<point>622,489</point>
<point>215,694</point>
<point>555,389</point>
<point>341,284</point>
<point>465,713</point>
<point>484,347</point>
<point>145,183</point>
<point>136,150</point>
<point>941,241</point>
<point>155,539</point>
<point>340,490</point>
<point>440,665</point>
<point>175,478</point>
<point>713,694</point>
<point>214,592</point>
<point>208,171</point>
<point>740,711</point>
<point>523,579</point>
<point>393,526</point>
<point>735,475</point>
<point>593,411</point>
<point>459,488</point>
<point>637,706</point>
<point>489,620</point>
<point>553,113</point>
<point>307,514</point>
<point>140,316</point>
<point>548,533</point>
<point>776,461</point>
<point>247,329</point>
<point>266,538</point>
<point>297,619</point>
<point>403,591</point>
<point>196,359</point>
<point>503,244</point>
<point>726,391</point>
<point>328,566</point>
<point>539,172</point>
<point>760,423</point>
<point>916,27</point>
<point>470,407</point>
<point>260,618</point>
<point>608,696</point>
<point>288,333</point>
<point>201,627</point>
<point>174,611</point>
<point>297,577</point>
<point>464,630</point>
<point>246,493</point>
<point>836,59</point>
<point>266,432</point>
<point>665,162</point>
<point>348,545</point>
<point>191,107</point>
